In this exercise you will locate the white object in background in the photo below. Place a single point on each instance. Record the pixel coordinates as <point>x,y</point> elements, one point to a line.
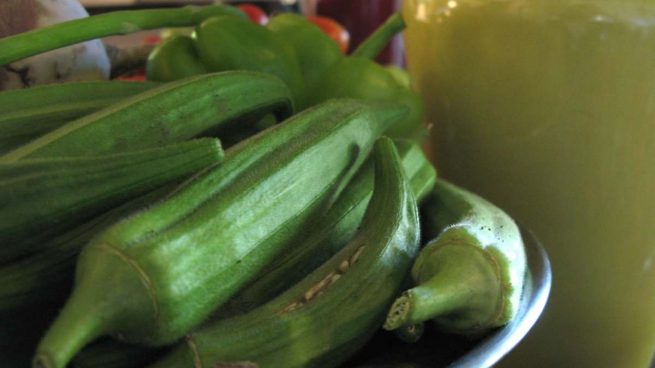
<point>107,2</point>
<point>84,61</point>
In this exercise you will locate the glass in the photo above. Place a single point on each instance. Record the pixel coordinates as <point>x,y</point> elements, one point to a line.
<point>547,108</point>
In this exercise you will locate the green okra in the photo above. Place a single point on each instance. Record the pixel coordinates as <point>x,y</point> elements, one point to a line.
<point>158,274</point>
<point>41,198</point>
<point>28,113</point>
<point>470,277</point>
<point>71,32</point>
<point>331,313</point>
<point>173,112</point>
<point>34,288</point>
<point>331,232</point>
<point>46,277</point>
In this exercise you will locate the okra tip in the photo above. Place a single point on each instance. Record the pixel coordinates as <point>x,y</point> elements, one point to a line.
<point>398,312</point>
<point>109,297</point>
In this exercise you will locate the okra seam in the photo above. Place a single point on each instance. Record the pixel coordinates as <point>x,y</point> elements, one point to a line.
<point>197,363</point>
<point>143,276</point>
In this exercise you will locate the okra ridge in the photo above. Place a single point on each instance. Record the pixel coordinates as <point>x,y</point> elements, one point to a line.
<point>143,275</point>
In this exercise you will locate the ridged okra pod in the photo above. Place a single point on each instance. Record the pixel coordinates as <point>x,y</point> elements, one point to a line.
<point>155,276</point>
<point>47,276</point>
<point>173,112</point>
<point>41,198</point>
<point>331,232</point>
<point>331,313</point>
<point>470,277</point>
<point>28,113</point>
<point>33,288</point>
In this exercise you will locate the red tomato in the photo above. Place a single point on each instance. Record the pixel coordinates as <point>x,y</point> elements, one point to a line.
<point>138,75</point>
<point>255,13</point>
<point>151,39</point>
<point>333,29</point>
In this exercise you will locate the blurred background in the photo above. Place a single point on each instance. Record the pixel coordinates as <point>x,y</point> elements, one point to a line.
<point>359,17</point>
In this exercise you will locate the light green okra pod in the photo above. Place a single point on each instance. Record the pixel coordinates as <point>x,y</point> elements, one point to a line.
<point>470,277</point>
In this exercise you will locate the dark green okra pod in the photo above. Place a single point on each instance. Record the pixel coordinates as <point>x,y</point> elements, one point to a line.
<point>46,276</point>
<point>470,277</point>
<point>34,288</point>
<point>28,113</point>
<point>170,113</point>
<point>41,198</point>
<point>331,313</point>
<point>178,261</point>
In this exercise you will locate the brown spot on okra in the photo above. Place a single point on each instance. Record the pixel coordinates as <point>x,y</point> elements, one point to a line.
<point>324,283</point>
<point>344,265</point>
<point>355,256</point>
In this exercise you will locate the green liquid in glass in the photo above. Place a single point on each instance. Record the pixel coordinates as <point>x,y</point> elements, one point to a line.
<point>547,108</point>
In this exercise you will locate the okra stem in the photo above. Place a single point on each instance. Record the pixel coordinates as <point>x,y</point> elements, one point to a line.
<point>59,35</point>
<point>379,39</point>
<point>465,282</point>
<point>96,306</point>
<point>75,327</point>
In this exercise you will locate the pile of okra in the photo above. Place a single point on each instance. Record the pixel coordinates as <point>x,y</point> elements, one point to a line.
<point>261,201</point>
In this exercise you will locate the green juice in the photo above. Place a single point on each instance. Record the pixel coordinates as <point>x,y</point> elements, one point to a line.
<point>547,108</point>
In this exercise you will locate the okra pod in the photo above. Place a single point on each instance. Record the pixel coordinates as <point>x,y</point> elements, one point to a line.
<point>470,277</point>
<point>331,232</point>
<point>331,313</point>
<point>46,277</point>
<point>173,112</point>
<point>33,288</point>
<point>158,274</point>
<point>41,198</point>
<point>28,113</point>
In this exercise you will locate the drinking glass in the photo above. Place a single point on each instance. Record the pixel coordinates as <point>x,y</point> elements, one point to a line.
<point>547,108</point>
